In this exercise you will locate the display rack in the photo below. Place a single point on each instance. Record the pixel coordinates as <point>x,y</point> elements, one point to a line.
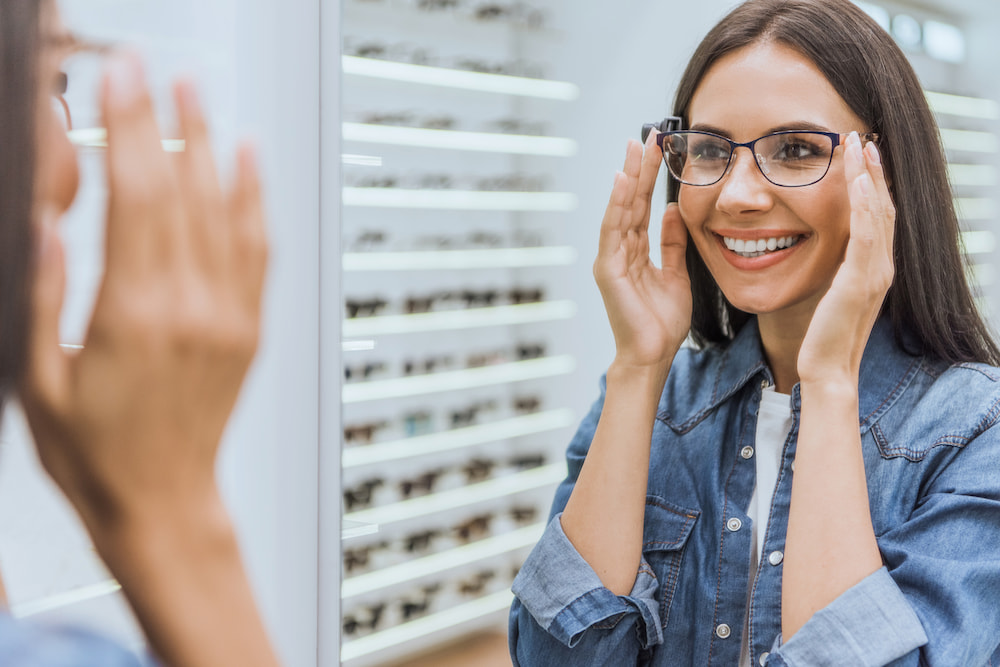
<point>399,209</point>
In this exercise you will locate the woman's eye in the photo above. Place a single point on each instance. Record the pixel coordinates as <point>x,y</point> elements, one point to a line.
<point>796,149</point>
<point>709,150</point>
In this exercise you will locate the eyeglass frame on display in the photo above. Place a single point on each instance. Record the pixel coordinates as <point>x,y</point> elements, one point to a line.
<point>670,127</point>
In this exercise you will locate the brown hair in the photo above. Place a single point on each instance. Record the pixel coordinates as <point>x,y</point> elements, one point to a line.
<point>19,92</point>
<point>929,301</point>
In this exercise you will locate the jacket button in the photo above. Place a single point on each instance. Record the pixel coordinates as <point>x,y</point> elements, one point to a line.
<point>775,558</point>
<point>722,630</point>
<point>747,452</point>
<point>764,384</point>
<point>793,465</point>
<point>734,524</point>
<point>763,658</point>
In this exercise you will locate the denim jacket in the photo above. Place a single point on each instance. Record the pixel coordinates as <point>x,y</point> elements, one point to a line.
<point>24,644</point>
<point>932,458</point>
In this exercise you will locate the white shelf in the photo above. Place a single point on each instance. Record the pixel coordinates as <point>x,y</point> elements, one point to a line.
<point>454,320</point>
<point>458,380</point>
<point>975,208</point>
<point>350,530</point>
<point>979,242</point>
<point>97,137</point>
<point>498,258</point>
<point>461,79</point>
<point>415,630</point>
<point>968,141</point>
<point>484,142</point>
<point>958,105</point>
<point>365,455</point>
<point>69,598</point>
<point>973,174</point>
<point>441,563</point>
<point>474,494</point>
<point>459,200</point>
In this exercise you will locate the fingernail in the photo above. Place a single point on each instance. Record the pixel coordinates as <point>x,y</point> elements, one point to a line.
<point>126,77</point>
<point>873,153</point>
<point>854,138</point>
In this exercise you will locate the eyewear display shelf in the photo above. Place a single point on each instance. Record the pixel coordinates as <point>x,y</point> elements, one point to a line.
<point>455,286</point>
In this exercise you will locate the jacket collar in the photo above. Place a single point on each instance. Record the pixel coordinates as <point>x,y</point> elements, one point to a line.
<point>886,370</point>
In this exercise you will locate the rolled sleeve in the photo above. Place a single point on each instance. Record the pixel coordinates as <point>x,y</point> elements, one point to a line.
<point>566,597</point>
<point>871,623</point>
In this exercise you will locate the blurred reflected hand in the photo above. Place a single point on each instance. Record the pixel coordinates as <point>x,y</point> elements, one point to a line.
<point>129,427</point>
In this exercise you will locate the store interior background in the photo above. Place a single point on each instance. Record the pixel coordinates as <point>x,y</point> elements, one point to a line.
<point>441,498</point>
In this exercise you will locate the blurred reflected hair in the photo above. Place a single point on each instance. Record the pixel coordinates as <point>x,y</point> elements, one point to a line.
<point>20,94</point>
<point>930,304</point>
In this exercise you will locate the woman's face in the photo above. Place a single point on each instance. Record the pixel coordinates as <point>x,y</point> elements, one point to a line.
<point>744,95</point>
<point>56,172</point>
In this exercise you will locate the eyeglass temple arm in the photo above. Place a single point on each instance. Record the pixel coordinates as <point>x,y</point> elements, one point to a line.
<point>668,124</point>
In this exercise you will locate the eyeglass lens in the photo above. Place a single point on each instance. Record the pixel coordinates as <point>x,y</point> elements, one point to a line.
<point>790,159</point>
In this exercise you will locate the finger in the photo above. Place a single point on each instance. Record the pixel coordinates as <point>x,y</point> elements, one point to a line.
<point>648,171</point>
<point>139,174</point>
<point>611,224</point>
<point>887,210</point>
<point>248,229</point>
<point>199,182</point>
<point>673,241</point>
<point>633,165</point>
<point>46,372</point>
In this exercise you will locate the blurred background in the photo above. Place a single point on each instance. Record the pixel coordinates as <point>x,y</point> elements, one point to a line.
<point>436,175</point>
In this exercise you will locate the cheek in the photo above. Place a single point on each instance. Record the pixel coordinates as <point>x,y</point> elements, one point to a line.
<point>58,174</point>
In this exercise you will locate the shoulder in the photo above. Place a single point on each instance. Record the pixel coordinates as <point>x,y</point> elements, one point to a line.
<point>944,405</point>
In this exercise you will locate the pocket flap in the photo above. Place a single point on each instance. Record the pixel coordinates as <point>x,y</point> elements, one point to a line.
<point>666,526</point>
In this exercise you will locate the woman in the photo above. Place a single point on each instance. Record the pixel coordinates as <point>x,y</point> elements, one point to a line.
<point>815,482</point>
<point>129,427</point>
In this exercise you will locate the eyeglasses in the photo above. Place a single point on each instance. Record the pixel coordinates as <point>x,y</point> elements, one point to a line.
<point>791,159</point>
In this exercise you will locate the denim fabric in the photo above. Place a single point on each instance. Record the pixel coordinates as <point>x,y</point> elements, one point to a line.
<point>24,644</point>
<point>932,459</point>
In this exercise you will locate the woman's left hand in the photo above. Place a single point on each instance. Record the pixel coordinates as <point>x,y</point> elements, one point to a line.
<point>839,330</point>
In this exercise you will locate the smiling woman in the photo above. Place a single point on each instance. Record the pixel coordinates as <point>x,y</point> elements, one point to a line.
<point>810,483</point>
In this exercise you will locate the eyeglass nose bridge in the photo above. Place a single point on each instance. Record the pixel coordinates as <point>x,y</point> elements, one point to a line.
<point>758,159</point>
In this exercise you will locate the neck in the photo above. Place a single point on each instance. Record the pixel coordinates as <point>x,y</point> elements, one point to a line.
<point>781,336</point>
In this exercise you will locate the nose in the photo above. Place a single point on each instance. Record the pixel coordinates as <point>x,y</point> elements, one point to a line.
<point>743,189</point>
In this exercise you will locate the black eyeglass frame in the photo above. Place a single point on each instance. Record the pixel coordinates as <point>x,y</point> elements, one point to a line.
<point>671,126</point>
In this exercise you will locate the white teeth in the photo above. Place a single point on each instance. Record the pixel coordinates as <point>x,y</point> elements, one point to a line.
<point>758,247</point>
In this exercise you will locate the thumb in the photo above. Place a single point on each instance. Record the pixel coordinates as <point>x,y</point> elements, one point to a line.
<point>673,240</point>
<point>47,363</point>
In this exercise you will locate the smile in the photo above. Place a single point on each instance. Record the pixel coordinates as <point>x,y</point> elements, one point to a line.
<point>750,248</point>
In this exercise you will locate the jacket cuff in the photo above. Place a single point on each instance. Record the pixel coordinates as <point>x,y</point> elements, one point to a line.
<point>566,597</point>
<point>871,623</point>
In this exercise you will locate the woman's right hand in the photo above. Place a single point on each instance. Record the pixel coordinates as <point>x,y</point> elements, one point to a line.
<point>649,307</point>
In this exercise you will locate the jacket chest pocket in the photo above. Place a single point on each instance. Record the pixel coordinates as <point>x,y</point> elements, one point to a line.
<point>666,528</point>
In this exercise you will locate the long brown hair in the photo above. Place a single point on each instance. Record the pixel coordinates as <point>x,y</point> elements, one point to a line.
<point>930,303</point>
<point>19,98</point>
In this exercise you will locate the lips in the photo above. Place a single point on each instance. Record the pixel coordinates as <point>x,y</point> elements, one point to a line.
<point>752,250</point>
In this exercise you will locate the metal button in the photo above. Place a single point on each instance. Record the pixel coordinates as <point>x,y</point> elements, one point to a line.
<point>763,658</point>
<point>722,630</point>
<point>793,466</point>
<point>747,452</point>
<point>734,524</point>
<point>764,384</point>
<point>775,558</point>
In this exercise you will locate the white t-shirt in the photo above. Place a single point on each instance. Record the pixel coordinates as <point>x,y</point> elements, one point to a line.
<point>774,421</point>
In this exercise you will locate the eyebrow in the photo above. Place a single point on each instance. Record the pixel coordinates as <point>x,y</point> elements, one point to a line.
<point>803,125</point>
